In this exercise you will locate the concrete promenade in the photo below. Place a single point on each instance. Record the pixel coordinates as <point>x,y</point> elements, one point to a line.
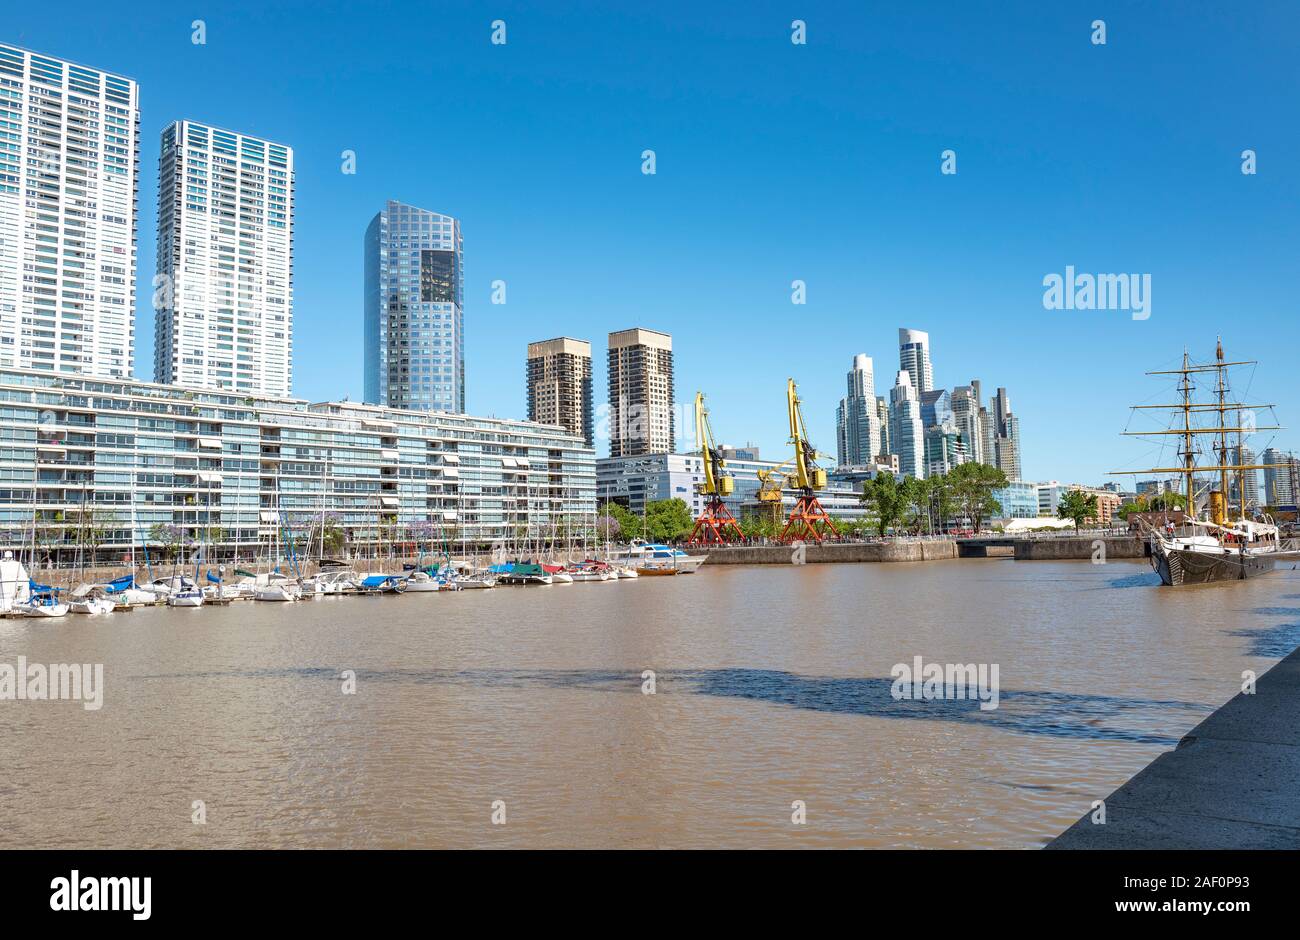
<point>1232,783</point>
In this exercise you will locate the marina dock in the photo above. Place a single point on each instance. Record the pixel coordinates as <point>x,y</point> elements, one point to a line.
<point>1230,784</point>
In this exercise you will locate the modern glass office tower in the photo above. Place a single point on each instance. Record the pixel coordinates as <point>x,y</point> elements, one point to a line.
<point>944,447</point>
<point>914,358</point>
<point>223,298</point>
<point>69,179</point>
<point>906,432</point>
<point>857,424</point>
<point>414,314</point>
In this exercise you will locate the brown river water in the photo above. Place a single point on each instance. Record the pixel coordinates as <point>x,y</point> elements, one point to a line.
<point>772,685</point>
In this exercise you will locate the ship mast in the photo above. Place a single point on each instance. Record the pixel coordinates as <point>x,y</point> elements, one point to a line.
<point>1221,390</point>
<point>1218,500</point>
<point>1189,450</point>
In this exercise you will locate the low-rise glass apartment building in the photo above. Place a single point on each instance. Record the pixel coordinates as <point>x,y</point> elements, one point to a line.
<point>108,465</point>
<point>633,482</point>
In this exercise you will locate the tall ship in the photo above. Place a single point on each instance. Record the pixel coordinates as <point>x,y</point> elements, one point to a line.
<point>1228,539</point>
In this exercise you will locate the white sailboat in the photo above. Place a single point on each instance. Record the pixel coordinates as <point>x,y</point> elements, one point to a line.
<point>15,583</point>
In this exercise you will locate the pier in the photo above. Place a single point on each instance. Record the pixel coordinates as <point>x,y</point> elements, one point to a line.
<point>1230,783</point>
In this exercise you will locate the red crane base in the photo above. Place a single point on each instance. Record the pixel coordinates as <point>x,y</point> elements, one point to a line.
<point>715,526</point>
<point>807,511</point>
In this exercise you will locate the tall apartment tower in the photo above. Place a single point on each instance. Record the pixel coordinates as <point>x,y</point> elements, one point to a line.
<point>559,385</point>
<point>857,424</point>
<point>224,293</point>
<point>882,413</point>
<point>640,393</point>
<point>967,413</point>
<point>1249,479</point>
<point>914,358</point>
<point>414,310</point>
<point>69,183</point>
<point>1278,490</point>
<point>906,432</point>
<point>1002,436</point>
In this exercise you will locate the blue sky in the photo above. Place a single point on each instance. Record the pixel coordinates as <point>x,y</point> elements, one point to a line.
<point>775,162</point>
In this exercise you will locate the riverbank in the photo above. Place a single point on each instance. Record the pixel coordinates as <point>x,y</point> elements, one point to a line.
<point>1230,784</point>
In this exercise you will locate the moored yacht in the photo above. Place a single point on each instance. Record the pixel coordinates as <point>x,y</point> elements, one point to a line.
<point>641,555</point>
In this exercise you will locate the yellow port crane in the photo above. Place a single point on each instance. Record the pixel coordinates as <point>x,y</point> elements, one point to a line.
<point>715,525</point>
<point>807,479</point>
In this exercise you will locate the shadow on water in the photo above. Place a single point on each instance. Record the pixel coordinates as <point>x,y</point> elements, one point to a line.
<point>1273,642</point>
<point>1054,714</point>
<point>1147,579</point>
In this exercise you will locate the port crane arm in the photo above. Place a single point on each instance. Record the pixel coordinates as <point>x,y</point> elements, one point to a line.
<point>712,456</point>
<point>808,514</point>
<point>715,524</point>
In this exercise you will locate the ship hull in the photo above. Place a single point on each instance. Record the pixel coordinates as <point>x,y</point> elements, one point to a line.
<point>1178,567</point>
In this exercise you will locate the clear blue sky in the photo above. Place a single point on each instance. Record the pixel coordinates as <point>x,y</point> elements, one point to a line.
<point>775,162</point>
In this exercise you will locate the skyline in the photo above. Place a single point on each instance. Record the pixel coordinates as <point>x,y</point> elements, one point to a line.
<point>545,176</point>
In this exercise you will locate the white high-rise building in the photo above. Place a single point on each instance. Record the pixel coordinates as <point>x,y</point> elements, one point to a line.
<point>69,176</point>
<point>906,430</point>
<point>224,292</point>
<point>914,357</point>
<point>857,423</point>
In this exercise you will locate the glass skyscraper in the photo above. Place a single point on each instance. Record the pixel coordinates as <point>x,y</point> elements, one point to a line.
<point>914,358</point>
<point>906,432</point>
<point>414,314</point>
<point>857,422</point>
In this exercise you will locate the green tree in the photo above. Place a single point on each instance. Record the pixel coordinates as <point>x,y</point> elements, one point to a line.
<point>886,498</point>
<point>854,527</point>
<point>1077,506</point>
<point>942,500</point>
<point>629,524</point>
<point>92,527</point>
<point>667,520</point>
<point>916,496</point>
<point>1167,502</point>
<point>758,526</point>
<point>971,487</point>
<point>167,537</point>
<point>1138,505</point>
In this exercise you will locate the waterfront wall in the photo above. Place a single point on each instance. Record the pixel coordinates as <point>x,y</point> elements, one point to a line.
<point>1022,549</point>
<point>1066,549</point>
<point>912,550</point>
